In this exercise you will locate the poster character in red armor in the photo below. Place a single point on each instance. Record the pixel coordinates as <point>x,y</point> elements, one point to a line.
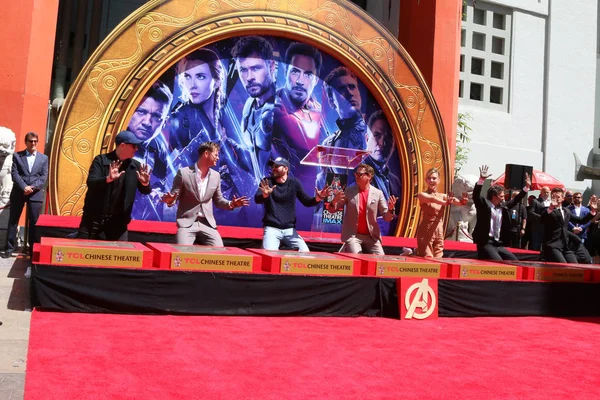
<point>297,124</point>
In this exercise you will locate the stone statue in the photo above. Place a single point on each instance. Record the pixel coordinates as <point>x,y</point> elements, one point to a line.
<point>462,218</point>
<point>7,148</point>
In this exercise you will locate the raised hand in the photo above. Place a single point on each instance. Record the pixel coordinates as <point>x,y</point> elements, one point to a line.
<point>392,203</point>
<point>239,201</point>
<point>323,193</point>
<point>266,188</point>
<point>169,198</point>
<point>113,171</point>
<point>554,203</point>
<point>527,180</point>
<point>143,174</point>
<point>592,198</point>
<point>593,204</point>
<point>483,172</point>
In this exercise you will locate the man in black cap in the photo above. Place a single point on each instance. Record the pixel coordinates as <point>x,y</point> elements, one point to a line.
<point>279,193</point>
<point>112,183</point>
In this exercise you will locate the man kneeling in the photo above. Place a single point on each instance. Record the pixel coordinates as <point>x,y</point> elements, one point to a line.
<point>360,232</point>
<point>197,187</point>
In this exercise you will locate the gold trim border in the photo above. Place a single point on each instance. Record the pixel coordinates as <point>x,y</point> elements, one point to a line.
<point>154,37</point>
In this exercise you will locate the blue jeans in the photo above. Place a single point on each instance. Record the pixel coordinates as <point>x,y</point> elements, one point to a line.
<point>272,237</point>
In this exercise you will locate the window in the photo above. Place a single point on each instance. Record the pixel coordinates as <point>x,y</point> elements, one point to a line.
<point>497,70</point>
<point>479,16</point>
<point>476,91</point>
<point>485,55</point>
<point>499,21</point>
<point>477,66</point>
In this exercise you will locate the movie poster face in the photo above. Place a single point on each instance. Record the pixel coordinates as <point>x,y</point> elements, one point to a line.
<point>259,98</point>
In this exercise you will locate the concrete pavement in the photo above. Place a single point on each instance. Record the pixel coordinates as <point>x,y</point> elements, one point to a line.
<point>14,331</point>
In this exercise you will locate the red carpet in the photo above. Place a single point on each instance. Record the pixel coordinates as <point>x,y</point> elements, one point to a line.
<point>85,356</point>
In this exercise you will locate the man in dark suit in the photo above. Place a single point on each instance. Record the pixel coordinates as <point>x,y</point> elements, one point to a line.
<point>555,220</point>
<point>29,174</point>
<point>493,219</point>
<point>537,230</point>
<point>112,183</point>
<point>580,210</point>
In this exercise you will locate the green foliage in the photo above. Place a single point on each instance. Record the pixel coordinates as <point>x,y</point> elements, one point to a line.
<point>462,139</point>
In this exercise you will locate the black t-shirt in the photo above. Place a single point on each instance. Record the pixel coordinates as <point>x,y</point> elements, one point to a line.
<point>280,206</point>
<point>517,214</point>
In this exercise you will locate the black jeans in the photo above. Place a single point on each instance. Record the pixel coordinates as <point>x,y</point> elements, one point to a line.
<point>494,250</point>
<point>559,255</point>
<point>103,229</point>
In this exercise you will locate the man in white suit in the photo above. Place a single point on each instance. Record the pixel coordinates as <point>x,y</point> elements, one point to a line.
<point>196,187</point>
<point>360,231</point>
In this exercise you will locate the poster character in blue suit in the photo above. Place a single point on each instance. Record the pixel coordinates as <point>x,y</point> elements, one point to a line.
<point>146,124</point>
<point>344,97</point>
<point>256,68</point>
<point>384,160</point>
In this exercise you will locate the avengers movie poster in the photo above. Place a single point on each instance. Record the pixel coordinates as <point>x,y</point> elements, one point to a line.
<point>259,97</point>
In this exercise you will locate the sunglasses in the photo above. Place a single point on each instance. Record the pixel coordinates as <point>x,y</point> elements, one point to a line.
<point>359,174</point>
<point>32,141</point>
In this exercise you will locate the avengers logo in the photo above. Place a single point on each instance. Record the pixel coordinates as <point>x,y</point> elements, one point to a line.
<point>423,303</point>
<point>177,261</point>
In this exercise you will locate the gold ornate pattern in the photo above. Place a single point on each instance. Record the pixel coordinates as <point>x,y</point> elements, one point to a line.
<point>152,39</point>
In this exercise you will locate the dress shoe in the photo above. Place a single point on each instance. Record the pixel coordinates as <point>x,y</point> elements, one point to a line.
<point>7,254</point>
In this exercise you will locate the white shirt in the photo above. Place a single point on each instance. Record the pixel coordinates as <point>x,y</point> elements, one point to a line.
<point>30,159</point>
<point>496,223</point>
<point>202,184</point>
<point>546,203</point>
<point>577,210</point>
<point>496,219</point>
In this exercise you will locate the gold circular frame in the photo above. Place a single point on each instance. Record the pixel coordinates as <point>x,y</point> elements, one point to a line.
<point>153,38</point>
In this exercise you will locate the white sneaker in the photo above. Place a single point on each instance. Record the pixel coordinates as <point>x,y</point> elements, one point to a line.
<point>406,251</point>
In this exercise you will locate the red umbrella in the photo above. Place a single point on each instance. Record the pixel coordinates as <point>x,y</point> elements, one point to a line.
<point>538,180</point>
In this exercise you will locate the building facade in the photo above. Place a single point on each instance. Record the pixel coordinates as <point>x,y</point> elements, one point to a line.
<point>528,79</point>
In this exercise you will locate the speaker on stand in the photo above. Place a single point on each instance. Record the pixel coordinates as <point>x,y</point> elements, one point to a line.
<point>514,176</point>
